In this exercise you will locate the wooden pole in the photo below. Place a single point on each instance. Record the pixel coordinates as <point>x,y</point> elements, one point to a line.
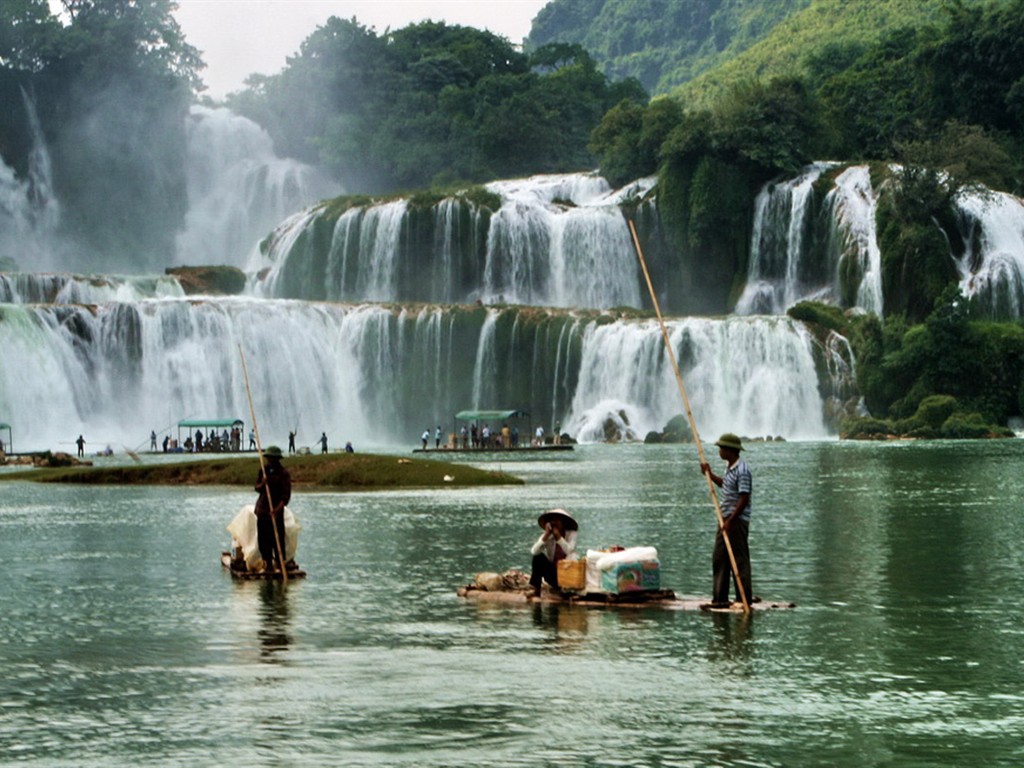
<point>263,470</point>
<point>689,416</point>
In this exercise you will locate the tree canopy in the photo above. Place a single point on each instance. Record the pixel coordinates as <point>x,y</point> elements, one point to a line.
<point>112,81</point>
<point>432,103</point>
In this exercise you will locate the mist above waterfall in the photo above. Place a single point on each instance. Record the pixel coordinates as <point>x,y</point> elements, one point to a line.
<point>237,191</point>
<point>238,188</point>
<point>29,211</point>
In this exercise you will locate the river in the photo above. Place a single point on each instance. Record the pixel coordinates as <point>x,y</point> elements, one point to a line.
<point>125,643</point>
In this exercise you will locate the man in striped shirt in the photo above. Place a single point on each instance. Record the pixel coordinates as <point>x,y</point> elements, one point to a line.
<point>737,487</point>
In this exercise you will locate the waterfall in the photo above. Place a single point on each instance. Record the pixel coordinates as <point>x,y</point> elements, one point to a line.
<point>558,241</point>
<point>805,251</point>
<point>29,211</point>
<point>783,217</point>
<point>377,374</point>
<point>751,376</point>
<point>238,188</point>
<point>63,288</point>
<point>853,243</point>
<point>992,268</point>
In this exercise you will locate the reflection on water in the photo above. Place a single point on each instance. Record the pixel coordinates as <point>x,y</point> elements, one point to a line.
<point>733,636</point>
<point>274,621</point>
<point>125,642</point>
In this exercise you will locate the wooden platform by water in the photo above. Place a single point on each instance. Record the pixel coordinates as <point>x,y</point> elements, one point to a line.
<point>662,598</point>
<point>246,575</point>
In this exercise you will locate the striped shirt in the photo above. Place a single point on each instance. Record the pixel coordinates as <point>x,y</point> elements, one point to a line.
<point>737,480</point>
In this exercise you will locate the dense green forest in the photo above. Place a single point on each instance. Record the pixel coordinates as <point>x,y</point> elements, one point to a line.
<point>112,82</point>
<point>660,42</point>
<point>432,104</point>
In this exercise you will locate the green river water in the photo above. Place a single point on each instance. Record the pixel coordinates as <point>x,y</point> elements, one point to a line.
<point>124,642</point>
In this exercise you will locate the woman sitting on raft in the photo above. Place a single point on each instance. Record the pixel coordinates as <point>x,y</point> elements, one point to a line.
<point>557,542</point>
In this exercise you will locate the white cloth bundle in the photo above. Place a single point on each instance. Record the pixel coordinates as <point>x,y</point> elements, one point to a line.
<point>243,534</point>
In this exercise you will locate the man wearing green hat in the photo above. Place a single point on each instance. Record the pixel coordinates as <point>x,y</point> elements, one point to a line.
<point>737,487</point>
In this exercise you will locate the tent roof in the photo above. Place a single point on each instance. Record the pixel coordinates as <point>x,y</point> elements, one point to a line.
<point>209,422</point>
<point>488,415</point>
<point>4,425</point>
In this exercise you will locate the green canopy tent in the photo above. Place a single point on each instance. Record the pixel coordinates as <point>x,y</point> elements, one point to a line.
<point>6,445</point>
<point>217,425</point>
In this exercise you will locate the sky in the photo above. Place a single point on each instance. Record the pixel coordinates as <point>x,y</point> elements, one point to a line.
<point>241,37</point>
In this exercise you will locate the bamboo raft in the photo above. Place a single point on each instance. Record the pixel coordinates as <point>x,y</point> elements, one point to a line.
<point>660,598</point>
<point>247,575</point>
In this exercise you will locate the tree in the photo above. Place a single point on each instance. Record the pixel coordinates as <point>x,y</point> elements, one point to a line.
<point>28,34</point>
<point>113,97</point>
<point>432,103</point>
<point>771,126</point>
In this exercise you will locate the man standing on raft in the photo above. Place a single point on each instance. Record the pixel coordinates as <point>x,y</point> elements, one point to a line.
<point>737,487</point>
<point>277,485</point>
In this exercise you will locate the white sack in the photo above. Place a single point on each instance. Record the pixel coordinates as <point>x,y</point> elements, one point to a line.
<point>243,533</point>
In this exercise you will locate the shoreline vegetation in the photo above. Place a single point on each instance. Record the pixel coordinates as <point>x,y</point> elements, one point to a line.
<point>331,472</point>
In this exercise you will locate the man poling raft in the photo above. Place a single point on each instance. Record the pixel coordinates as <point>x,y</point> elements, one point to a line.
<point>265,535</point>
<point>737,487</point>
<point>743,595</point>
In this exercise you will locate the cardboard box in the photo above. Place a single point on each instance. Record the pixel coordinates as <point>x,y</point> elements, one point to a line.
<point>635,576</point>
<point>571,573</point>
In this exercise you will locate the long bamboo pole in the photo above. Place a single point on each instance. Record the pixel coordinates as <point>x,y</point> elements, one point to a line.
<point>689,416</point>
<point>263,471</point>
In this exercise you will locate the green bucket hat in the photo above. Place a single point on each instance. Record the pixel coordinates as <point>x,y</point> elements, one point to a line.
<point>729,440</point>
<point>274,452</point>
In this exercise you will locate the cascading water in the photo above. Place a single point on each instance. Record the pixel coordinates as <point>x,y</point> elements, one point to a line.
<point>783,219</point>
<point>554,241</point>
<point>63,288</point>
<point>805,250</point>
<point>238,188</point>
<point>377,375</point>
<point>854,255</point>
<point>752,376</point>
<point>992,268</point>
<point>29,212</point>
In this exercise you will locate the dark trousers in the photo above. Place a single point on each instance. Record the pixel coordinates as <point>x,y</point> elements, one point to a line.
<point>722,568</point>
<point>542,568</point>
<point>265,537</point>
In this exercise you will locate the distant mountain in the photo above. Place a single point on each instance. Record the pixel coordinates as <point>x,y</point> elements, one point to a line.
<point>662,43</point>
<point>692,48</point>
<point>816,42</point>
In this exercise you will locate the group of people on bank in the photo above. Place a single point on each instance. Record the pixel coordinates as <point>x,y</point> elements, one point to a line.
<point>484,438</point>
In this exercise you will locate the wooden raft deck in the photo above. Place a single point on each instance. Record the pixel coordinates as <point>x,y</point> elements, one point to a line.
<point>225,560</point>
<point>662,598</point>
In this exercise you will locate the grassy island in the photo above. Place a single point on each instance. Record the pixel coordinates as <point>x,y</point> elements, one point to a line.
<point>334,472</point>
